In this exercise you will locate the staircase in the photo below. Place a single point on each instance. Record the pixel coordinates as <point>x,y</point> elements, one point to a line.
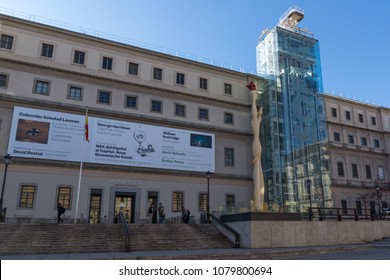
<point>29,239</point>
<point>157,237</point>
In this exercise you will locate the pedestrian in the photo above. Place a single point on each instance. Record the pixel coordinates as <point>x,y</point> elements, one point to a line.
<point>161,214</point>
<point>60,211</point>
<point>183,214</point>
<point>187,217</point>
<point>150,213</point>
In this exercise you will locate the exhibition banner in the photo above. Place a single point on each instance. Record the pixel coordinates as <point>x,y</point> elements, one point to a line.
<point>60,136</point>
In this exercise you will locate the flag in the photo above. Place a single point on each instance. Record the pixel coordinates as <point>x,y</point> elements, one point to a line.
<point>86,126</point>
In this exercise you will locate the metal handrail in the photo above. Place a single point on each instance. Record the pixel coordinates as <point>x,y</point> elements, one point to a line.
<point>324,213</point>
<point>3,213</point>
<point>174,220</point>
<point>126,231</point>
<point>236,234</point>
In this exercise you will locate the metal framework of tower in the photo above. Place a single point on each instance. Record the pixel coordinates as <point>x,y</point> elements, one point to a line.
<point>294,123</point>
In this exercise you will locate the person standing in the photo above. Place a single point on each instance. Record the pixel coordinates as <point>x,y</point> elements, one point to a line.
<point>150,213</point>
<point>161,214</point>
<point>187,217</point>
<point>60,211</point>
<point>183,214</point>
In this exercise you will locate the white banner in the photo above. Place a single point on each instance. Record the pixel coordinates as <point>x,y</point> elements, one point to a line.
<point>59,136</point>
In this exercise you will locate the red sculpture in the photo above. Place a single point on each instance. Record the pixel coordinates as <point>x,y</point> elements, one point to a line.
<point>251,86</point>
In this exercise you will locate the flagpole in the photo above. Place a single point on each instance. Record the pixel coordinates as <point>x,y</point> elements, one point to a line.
<point>85,137</point>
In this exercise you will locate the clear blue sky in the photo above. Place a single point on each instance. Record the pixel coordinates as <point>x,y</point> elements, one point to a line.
<point>354,35</point>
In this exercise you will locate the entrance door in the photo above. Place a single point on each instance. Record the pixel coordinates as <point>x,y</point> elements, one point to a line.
<point>124,202</point>
<point>153,200</point>
<point>95,204</point>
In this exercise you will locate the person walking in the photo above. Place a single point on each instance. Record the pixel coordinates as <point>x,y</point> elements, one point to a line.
<point>60,211</point>
<point>161,214</point>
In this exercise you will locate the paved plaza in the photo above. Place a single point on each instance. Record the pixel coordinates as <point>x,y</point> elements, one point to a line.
<point>378,250</point>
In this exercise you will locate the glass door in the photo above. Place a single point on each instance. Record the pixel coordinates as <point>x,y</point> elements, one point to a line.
<point>124,202</point>
<point>95,204</point>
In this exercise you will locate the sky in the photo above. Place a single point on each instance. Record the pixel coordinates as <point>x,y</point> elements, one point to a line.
<point>354,36</point>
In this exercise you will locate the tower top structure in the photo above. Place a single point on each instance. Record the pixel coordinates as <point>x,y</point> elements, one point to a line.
<point>289,21</point>
<point>291,18</point>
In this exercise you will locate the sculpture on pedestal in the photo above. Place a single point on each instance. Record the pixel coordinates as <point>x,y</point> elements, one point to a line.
<point>258,178</point>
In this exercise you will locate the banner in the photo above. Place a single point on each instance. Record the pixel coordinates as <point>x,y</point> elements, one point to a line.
<point>59,136</point>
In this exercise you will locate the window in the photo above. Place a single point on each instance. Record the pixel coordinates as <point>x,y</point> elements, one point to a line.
<point>104,97</point>
<point>350,139</point>
<point>3,80</point>
<point>180,79</point>
<point>157,74</point>
<point>376,143</point>
<point>340,169</point>
<point>41,87</point>
<point>348,115</point>
<point>75,93</point>
<point>133,68</point>
<point>203,202</point>
<point>368,172</point>
<point>230,201</point>
<point>229,156</point>
<point>203,114</point>
<point>355,173</point>
<point>228,118</point>
<point>334,112</point>
<point>359,207</point>
<point>107,63</point>
<point>373,120</point>
<point>361,118</point>
<point>131,102</point>
<point>203,83</point>
<point>180,110</point>
<point>336,136</point>
<point>79,57</point>
<point>27,194</point>
<point>381,173</point>
<point>344,206</point>
<point>47,50</point>
<point>7,42</point>
<point>64,196</point>
<point>177,201</point>
<point>364,141</point>
<point>228,89</point>
<point>156,106</point>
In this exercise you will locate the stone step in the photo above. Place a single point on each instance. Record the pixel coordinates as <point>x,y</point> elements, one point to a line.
<point>83,238</point>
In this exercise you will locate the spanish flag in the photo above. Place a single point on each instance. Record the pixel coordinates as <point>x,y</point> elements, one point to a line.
<point>86,126</point>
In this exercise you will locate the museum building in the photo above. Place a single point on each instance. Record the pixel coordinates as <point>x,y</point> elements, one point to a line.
<point>103,126</point>
<point>157,125</point>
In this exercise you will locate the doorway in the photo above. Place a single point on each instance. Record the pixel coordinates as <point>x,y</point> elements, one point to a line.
<point>95,205</point>
<point>153,200</point>
<point>125,203</point>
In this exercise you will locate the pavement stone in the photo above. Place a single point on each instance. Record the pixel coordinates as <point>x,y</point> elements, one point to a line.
<point>230,253</point>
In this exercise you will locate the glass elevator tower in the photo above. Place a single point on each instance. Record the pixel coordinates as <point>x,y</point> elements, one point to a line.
<point>293,130</point>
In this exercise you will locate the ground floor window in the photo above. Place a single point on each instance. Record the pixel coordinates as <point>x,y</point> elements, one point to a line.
<point>64,196</point>
<point>359,207</point>
<point>230,200</point>
<point>344,206</point>
<point>177,201</point>
<point>27,194</point>
<point>203,202</point>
